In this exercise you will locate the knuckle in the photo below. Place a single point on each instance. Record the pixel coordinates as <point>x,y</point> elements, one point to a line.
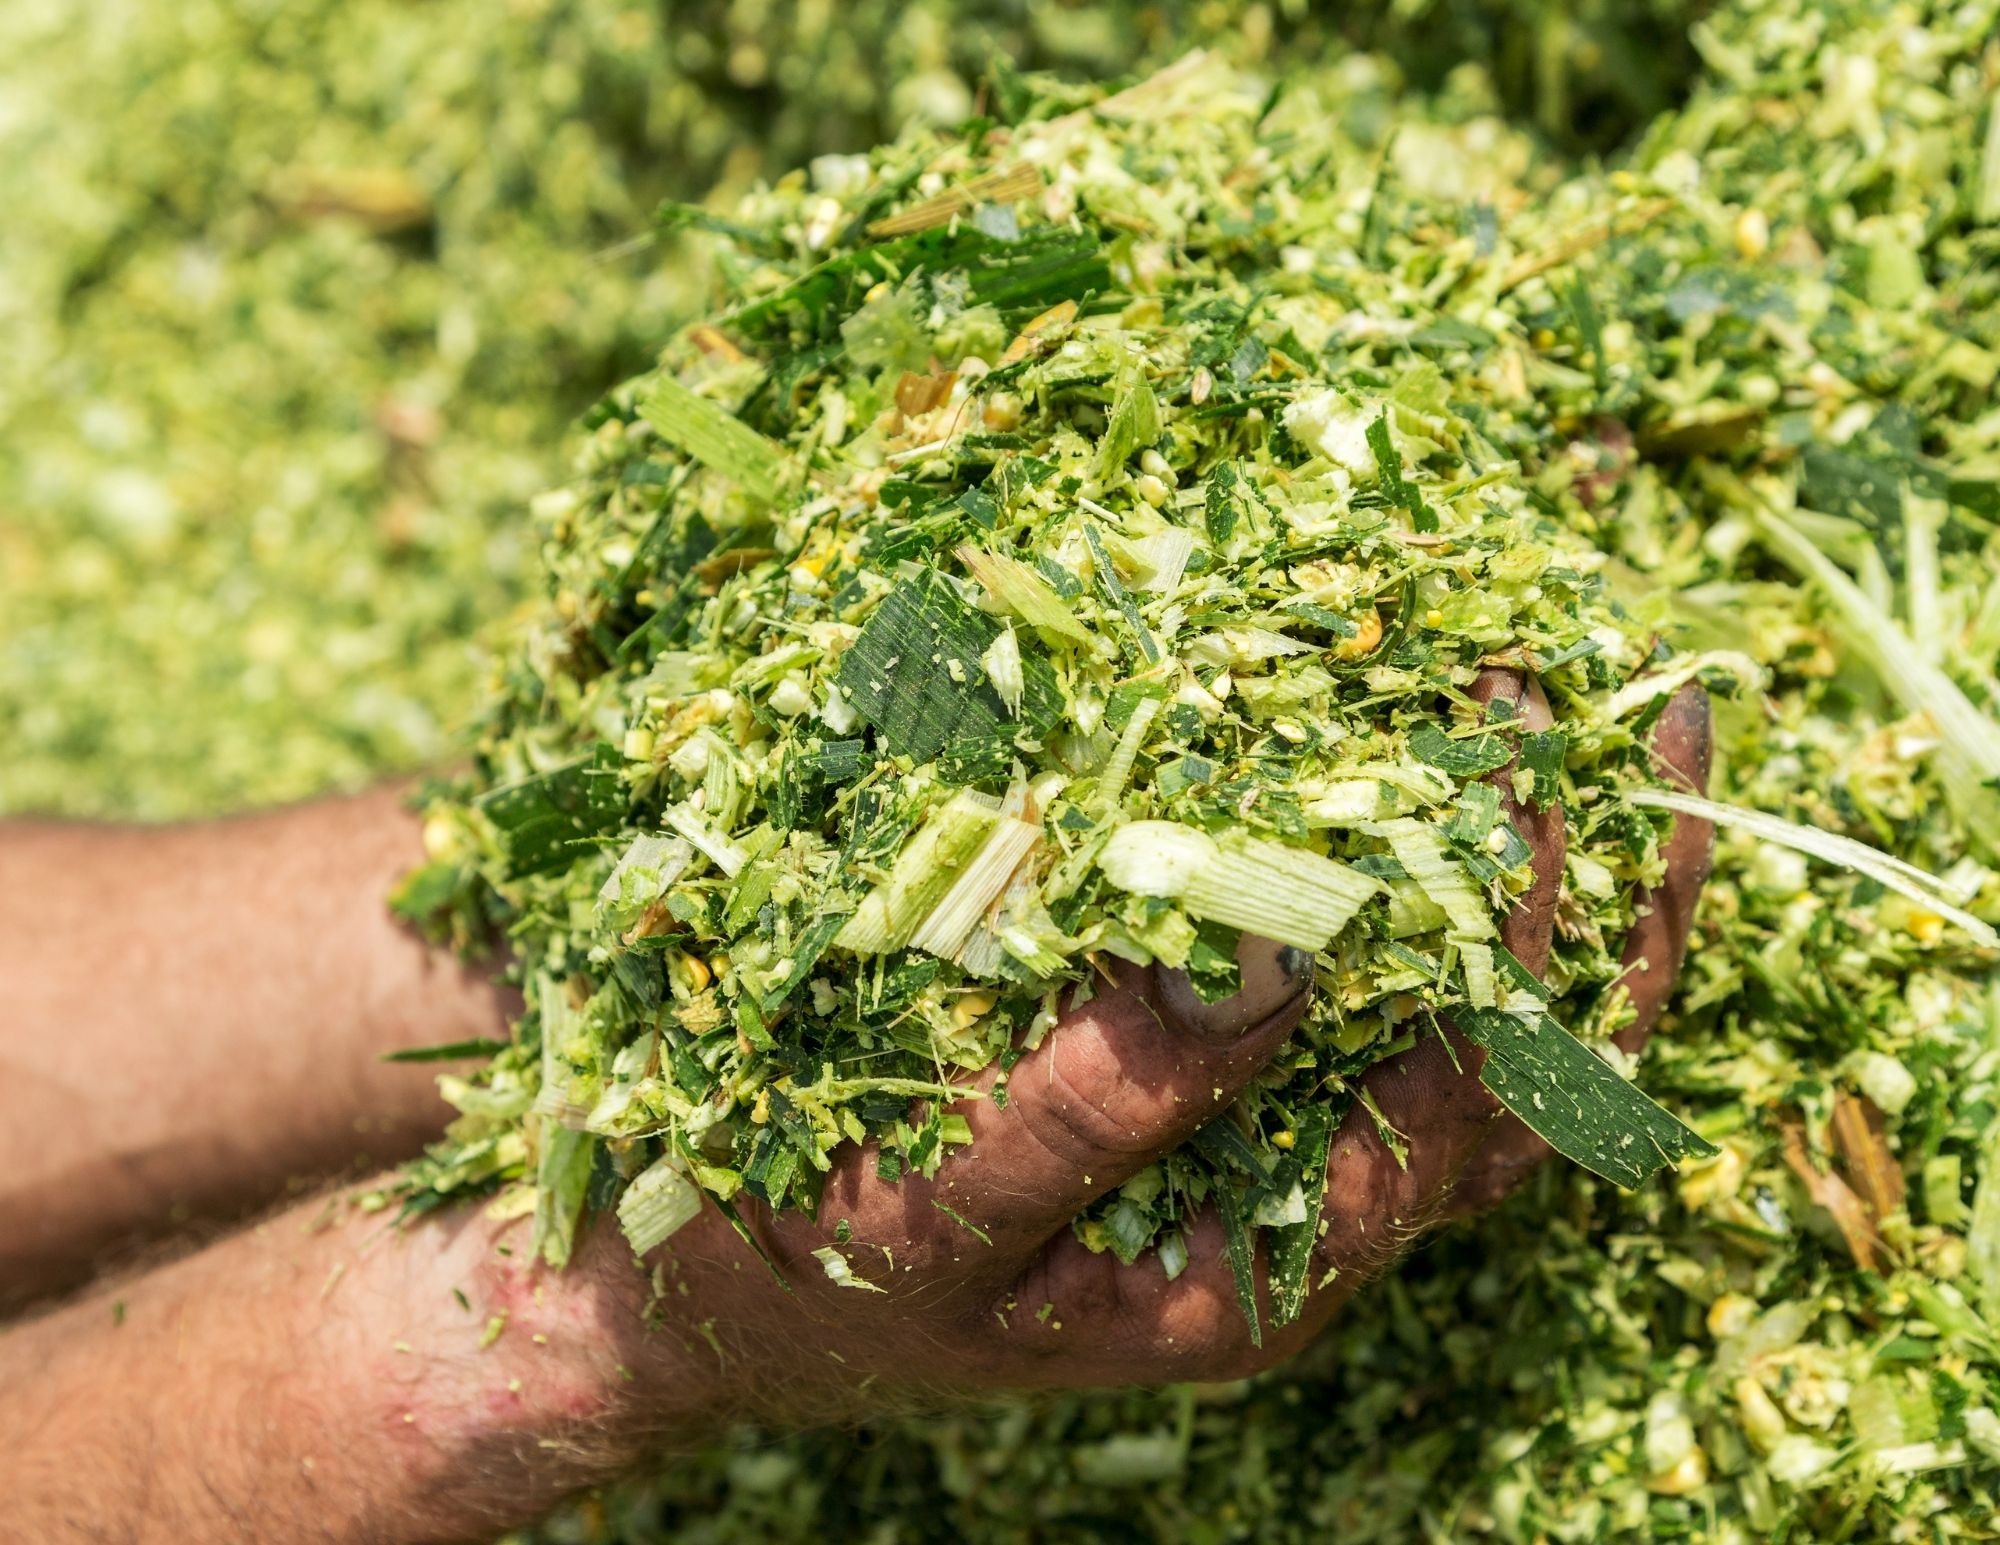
<point>1088,1108</point>
<point>1093,1293</point>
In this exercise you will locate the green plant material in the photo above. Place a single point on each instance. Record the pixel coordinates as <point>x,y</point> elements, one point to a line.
<point>870,535</point>
<point>1970,753</point>
<point>1704,1361</point>
<point>297,314</point>
<point>1707,1361</point>
<point>1256,887</point>
<point>1884,869</point>
<point>1573,1101</point>
<point>715,437</point>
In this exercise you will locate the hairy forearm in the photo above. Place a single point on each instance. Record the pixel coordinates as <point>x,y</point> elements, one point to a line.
<point>350,1383</point>
<point>196,1016</point>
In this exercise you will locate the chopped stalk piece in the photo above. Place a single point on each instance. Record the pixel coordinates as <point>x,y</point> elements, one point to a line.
<point>1970,754</point>
<point>924,873</point>
<point>1421,852</point>
<point>1118,768</point>
<point>658,1201</point>
<point>977,888</point>
<point>1264,888</point>
<point>696,828</point>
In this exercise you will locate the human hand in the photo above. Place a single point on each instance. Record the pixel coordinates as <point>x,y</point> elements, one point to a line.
<point>1122,1079</point>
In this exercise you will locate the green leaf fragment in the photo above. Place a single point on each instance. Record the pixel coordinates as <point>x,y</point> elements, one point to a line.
<point>1462,758</point>
<point>1538,774</point>
<point>1291,1247</point>
<point>715,437</point>
<point>1242,1255</point>
<point>1571,1098</point>
<point>916,675</point>
<point>448,1051</point>
<point>543,821</point>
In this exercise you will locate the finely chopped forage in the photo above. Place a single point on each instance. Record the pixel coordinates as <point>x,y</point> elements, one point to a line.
<point>1018,573</point>
<point>297,314</point>
<point>1758,349</point>
<point>1812,310</point>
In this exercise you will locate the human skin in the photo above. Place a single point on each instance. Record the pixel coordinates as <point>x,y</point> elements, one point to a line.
<point>195,1018</point>
<point>302,1383</point>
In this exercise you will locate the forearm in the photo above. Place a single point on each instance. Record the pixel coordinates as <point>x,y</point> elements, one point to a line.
<point>196,1015</point>
<point>297,1385</point>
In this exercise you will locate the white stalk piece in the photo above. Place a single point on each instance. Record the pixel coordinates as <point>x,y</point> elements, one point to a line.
<point>1264,888</point>
<point>656,1204</point>
<point>978,887</point>
<point>558,1024</point>
<point>930,864</point>
<point>1636,694</point>
<point>712,844</point>
<point>666,856</point>
<point>1002,662</point>
<point>1163,557</point>
<point>1969,759</point>
<point>1420,851</point>
<point>1118,767</point>
<point>1482,986</point>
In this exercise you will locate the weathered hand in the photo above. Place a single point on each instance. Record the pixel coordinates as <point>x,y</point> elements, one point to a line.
<point>1122,1079</point>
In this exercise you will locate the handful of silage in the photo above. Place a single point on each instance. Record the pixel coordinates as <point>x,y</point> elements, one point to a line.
<point>1020,572</point>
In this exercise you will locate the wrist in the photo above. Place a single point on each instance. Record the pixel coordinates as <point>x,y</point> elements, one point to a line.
<point>572,1377</point>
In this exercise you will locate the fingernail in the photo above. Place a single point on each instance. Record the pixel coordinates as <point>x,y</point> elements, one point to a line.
<point>1275,976</point>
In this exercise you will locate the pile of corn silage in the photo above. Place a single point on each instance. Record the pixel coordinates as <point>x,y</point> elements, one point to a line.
<point>1753,363</point>
<point>1770,397</point>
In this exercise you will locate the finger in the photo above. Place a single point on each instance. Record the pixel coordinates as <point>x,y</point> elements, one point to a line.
<point>1681,743</point>
<point>1654,950</point>
<point>1077,1318</point>
<point>1119,1080</point>
<point>1430,1098</point>
<point>1528,930</point>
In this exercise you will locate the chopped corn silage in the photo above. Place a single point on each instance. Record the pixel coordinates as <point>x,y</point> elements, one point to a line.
<point>1055,549</point>
<point>1780,376</point>
<point>1574,1367</point>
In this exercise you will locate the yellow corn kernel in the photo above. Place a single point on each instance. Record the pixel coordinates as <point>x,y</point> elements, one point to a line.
<point>1730,1313</point>
<point>967,1010</point>
<point>1713,1180</point>
<point>1367,634</point>
<point>1753,234</point>
<point>1758,1415</point>
<point>1690,1475</point>
<point>760,1108</point>
<point>1284,1139</point>
<point>698,974</point>
<point>1925,927</point>
<point>1002,412</point>
<point>1433,618</point>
